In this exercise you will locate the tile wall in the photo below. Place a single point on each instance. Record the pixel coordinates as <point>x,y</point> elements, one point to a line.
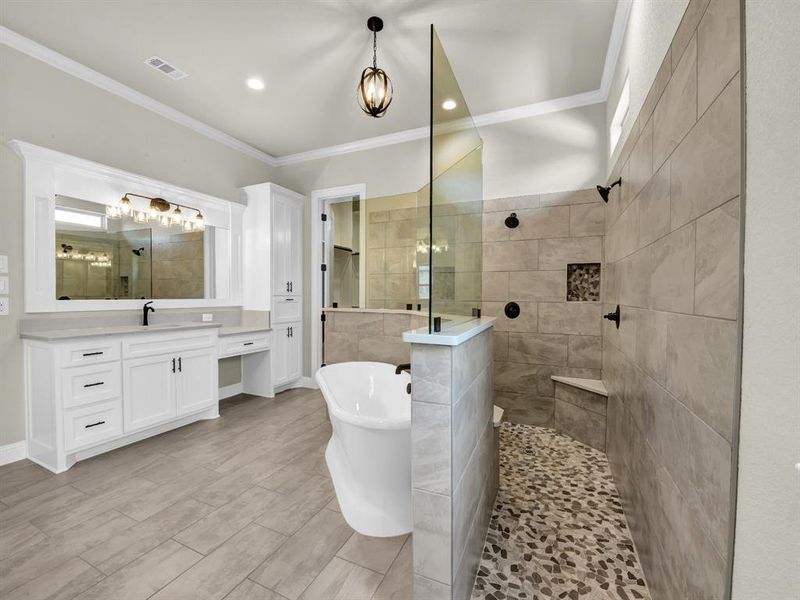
<point>452,464</point>
<point>177,264</point>
<point>369,336</point>
<point>391,254</point>
<point>528,265</point>
<point>672,263</point>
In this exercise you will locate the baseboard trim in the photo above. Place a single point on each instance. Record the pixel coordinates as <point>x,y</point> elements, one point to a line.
<point>13,452</point>
<point>226,391</point>
<point>307,382</point>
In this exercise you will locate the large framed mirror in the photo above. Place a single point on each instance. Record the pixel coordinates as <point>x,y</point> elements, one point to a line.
<point>98,238</point>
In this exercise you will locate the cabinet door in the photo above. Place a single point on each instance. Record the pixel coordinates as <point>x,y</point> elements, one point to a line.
<point>279,353</point>
<point>294,355</point>
<point>280,245</point>
<point>148,395</point>
<point>196,380</point>
<point>294,264</point>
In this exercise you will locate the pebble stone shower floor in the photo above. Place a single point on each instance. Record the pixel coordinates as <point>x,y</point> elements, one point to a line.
<point>558,530</point>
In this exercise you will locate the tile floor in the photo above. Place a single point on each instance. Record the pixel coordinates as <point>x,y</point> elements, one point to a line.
<point>558,530</point>
<point>240,508</point>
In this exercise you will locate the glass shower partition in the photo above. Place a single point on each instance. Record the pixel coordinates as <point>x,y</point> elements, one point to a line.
<point>450,207</point>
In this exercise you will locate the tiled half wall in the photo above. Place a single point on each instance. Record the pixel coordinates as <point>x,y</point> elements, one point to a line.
<point>528,265</point>
<point>352,335</point>
<point>672,263</point>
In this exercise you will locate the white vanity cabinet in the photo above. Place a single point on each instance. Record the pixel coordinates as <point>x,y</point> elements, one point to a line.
<point>287,354</point>
<point>287,244</point>
<point>85,396</point>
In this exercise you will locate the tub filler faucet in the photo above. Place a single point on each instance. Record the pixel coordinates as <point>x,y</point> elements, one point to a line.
<point>402,367</point>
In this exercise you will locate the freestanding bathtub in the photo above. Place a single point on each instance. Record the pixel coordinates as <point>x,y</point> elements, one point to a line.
<point>369,453</point>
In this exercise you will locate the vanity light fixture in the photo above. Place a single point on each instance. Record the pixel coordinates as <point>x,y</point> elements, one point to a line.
<point>374,89</point>
<point>158,210</point>
<point>449,104</point>
<point>125,205</point>
<point>604,190</point>
<point>177,215</point>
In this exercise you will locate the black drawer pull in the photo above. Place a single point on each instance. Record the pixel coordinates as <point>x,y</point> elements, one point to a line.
<point>248,343</point>
<point>93,384</point>
<point>94,424</point>
<point>180,365</point>
<point>92,353</point>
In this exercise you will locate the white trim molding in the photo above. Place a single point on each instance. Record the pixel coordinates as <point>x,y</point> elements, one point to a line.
<point>59,61</point>
<point>227,391</point>
<point>13,452</point>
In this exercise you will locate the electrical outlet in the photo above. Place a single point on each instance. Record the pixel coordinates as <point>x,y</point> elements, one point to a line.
<point>3,263</point>
<point>3,305</point>
<point>4,284</point>
<point>208,317</point>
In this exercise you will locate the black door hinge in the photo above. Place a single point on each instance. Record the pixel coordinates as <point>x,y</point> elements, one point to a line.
<point>324,267</point>
<point>322,317</point>
<point>324,217</point>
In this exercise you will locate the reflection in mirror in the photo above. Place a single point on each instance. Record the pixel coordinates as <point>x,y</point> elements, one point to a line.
<point>126,257</point>
<point>346,260</point>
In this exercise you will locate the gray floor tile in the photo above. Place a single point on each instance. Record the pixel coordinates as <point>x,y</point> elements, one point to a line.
<point>397,584</point>
<point>250,590</point>
<point>290,512</point>
<point>374,553</point>
<point>60,583</point>
<point>342,580</point>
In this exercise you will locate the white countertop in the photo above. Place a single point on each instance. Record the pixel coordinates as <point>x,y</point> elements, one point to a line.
<point>238,329</point>
<point>590,385</point>
<point>452,336</point>
<point>55,335</point>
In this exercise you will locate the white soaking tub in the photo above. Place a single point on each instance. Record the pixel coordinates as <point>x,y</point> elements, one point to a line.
<point>369,453</point>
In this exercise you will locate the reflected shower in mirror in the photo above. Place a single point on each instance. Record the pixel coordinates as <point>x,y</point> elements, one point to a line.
<point>344,227</point>
<point>128,256</point>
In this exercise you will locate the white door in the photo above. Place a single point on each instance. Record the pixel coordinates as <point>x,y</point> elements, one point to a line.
<point>279,352</point>
<point>148,395</point>
<point>197,380</point>
<point>294,355</point>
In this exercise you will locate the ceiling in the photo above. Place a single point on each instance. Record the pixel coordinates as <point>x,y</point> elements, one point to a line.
<point>505,53</point>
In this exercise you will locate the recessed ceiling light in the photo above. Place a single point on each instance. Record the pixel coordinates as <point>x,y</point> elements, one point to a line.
<point>449,104</point>
<point>254,83</point>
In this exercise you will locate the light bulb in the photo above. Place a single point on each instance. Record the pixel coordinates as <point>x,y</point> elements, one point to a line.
<point>187,225</point>
<point>199,222</point>
<point>125,206</point>
<point>177,215</point>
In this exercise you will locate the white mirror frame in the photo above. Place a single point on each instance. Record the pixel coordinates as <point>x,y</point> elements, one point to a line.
<point>48,173</point>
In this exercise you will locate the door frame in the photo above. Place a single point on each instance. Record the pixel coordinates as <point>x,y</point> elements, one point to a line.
<point>318,201</point>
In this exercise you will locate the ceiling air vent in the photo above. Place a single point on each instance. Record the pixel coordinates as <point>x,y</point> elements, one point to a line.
<point>171,71</point>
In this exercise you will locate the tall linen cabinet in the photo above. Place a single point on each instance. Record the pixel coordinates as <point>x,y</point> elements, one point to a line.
<point>273,272</point>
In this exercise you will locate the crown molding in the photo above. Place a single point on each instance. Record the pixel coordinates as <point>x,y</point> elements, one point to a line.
<point>35,50</point>
<point>59,61</point>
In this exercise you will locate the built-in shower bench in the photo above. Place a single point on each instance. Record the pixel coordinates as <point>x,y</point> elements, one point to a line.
<point>580,409</point>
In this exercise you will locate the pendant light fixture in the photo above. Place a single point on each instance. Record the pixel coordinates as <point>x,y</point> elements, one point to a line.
<point>374,88</point>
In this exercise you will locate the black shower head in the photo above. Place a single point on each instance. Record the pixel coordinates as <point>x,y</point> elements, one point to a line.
<point>138,251</point>
<point>604,190</point>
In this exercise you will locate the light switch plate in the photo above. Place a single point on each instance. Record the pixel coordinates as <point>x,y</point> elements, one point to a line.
<point>4,284</point>
<point>3,263</point>
<point>208,317</point>
<point>3,305</point>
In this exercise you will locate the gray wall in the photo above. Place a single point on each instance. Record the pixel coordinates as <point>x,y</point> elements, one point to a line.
<point>672,263</point>
<point>44,106</point>
<point>768,503</point>
<point>528,265</point>
<point>370,336</point>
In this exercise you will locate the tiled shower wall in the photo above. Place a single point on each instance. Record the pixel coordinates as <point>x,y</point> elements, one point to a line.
<point>353,335</point>
<point>528,265</point>
<point>672,263</point>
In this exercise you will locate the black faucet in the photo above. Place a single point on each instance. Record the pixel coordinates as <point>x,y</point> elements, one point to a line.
<point>146,309</point>
<point>402,367</point>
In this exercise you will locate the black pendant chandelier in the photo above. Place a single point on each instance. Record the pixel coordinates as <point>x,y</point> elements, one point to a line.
<point>374,88</point>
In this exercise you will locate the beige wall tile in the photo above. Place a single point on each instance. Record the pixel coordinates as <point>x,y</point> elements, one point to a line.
<point>641,163</point>
<point>651,343</point>
<point>686,29</point>
<point>520,255</point>
<point>555,254</point>
<point>494,228</point>
<point>340,347</point>
<point>468,257</point>
<point>576,318</point>
<point>431,377</point>
<point>623,239</point>
<point>585,351</point>
<point>584,399</point>
<point>495,286</point>
<point>511,204</point>
<point>654,207</point>
<point>395,325</point>
<point>525,408</point>
<point>358,322</point>
<point>659,85</point>
<point>401,233</point>
<point>676,112</point>
<point>538,223</point>
<point>672,271</point>
<point>587,219</point>
<point>376,287</point>
<point>430,447</point>
<point>717,267</point>
<point>399,260</point>
<point>500,345</point>
<point>525,322</point>
<point>391,350</point>
<point>717,50</point>
<point>585,196</point>
<point>376,235</point>
<point>378,216</point>
<point>705,169</point>
<point>701,368</point>
<point>633,273</point>
<point>538,349</point>
<point>583,425</point>
<point>432,536</point>
<point>533,286</point>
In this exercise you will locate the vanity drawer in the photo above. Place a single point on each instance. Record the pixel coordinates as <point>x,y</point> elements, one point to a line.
<point>243,343</point>
<point>91,383</point>
<point>98,350</point>
<point>287,310</point>
<point>93,424</point>
<point>167,342</point>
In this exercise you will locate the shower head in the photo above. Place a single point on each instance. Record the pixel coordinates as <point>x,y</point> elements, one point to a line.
<point>138,251</point>
<point>604,190</point>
